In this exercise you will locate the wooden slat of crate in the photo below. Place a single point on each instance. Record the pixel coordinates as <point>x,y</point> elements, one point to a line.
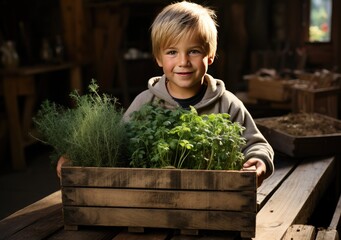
<point>210,200</point>
<point>323,101</point>
<point>160,218</point>
<point>158,178</point>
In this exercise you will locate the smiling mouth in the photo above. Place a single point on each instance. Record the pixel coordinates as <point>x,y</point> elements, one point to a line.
<point>184,73</point>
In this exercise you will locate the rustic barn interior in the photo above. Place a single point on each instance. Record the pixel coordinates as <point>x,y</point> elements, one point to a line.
<point>62,45</point>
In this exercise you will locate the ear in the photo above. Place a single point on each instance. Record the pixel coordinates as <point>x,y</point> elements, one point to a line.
<point>210,60</point>
<point>159,62</point>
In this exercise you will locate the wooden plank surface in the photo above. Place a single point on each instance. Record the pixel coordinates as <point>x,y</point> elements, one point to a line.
<point>135,198</point>
<point>155,235</point>
<point>30,214</point>
<point>166,178</point>
<point>296,199</point>
<point>283,168</point>
<point>42,228</point>
<point>211,236</point>
<point>300,232</point>
<point>90,233</point>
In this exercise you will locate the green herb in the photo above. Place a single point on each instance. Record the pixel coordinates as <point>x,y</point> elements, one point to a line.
<point>179,138</point>
<point>90,134</point>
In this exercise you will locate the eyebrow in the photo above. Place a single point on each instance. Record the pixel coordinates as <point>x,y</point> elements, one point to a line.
<point>194,46</point>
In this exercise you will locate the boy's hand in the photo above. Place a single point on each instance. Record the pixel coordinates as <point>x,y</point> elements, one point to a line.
<point>60,163</point>
<point>260,168</point>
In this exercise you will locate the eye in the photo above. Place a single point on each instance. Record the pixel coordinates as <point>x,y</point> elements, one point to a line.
<point>171,52</point>
<point>195,51</point>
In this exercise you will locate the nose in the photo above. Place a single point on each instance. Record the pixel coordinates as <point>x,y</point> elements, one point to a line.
<point>184,60</point>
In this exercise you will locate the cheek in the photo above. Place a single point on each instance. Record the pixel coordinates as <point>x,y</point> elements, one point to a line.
<point>167,65</point>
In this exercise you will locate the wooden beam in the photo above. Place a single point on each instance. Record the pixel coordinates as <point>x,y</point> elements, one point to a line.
<point>296,199</point>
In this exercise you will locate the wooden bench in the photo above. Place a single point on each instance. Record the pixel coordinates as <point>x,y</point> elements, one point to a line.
<point>285,199</point>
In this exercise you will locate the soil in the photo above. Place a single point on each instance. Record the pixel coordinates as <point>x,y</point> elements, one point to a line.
<point>303,124</point>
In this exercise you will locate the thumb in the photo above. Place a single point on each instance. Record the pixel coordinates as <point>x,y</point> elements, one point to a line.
<point>249,163</point>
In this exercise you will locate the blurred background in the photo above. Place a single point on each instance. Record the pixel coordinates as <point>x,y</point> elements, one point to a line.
<point>49,48</point>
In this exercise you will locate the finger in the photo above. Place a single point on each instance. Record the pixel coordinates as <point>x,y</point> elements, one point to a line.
<point>250,168</point>
<point>58,170</point>
<point>250,162</point>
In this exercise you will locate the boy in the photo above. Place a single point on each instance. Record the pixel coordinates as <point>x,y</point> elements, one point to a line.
<point>184,42</point>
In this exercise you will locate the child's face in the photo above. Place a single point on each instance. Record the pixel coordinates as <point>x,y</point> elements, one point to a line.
<point>184,64</point>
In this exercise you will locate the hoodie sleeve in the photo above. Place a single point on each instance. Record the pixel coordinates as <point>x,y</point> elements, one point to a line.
<point>256,144</point>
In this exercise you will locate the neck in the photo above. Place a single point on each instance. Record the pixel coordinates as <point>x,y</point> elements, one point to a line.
<point>183,93</point>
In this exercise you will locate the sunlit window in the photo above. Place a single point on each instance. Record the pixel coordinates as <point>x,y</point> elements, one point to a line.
<point>320,20</point>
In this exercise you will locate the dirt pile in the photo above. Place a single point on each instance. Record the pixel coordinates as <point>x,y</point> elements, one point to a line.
<point>303,124</point>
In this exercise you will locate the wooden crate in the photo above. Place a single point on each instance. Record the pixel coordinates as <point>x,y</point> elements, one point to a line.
<point>268,88</point>
<point>322,100</point>
<point>160,198</point>
<point>302,146</point>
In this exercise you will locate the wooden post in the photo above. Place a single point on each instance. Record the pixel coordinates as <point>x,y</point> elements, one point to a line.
<point>75,30</point>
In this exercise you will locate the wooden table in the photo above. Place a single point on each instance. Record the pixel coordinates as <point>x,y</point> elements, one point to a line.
<point>21,82</point>
<point>288,197</point>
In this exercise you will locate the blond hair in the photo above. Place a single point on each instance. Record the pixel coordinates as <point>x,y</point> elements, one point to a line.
<point>181,20</point>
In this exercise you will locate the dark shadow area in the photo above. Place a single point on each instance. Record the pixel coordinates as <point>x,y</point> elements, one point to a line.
<point>21,188</point>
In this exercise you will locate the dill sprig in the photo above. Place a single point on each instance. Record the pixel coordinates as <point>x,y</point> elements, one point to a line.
<point>90,134</point>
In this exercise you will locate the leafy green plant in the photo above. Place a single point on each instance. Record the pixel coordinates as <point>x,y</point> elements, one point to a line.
<point>90,134</point>
<point>179,138</point>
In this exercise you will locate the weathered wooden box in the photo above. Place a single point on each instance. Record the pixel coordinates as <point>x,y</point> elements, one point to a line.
<point>302,146</point>
<point>268,88</point>
<point>160,198</point>
<point>321,100</point>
